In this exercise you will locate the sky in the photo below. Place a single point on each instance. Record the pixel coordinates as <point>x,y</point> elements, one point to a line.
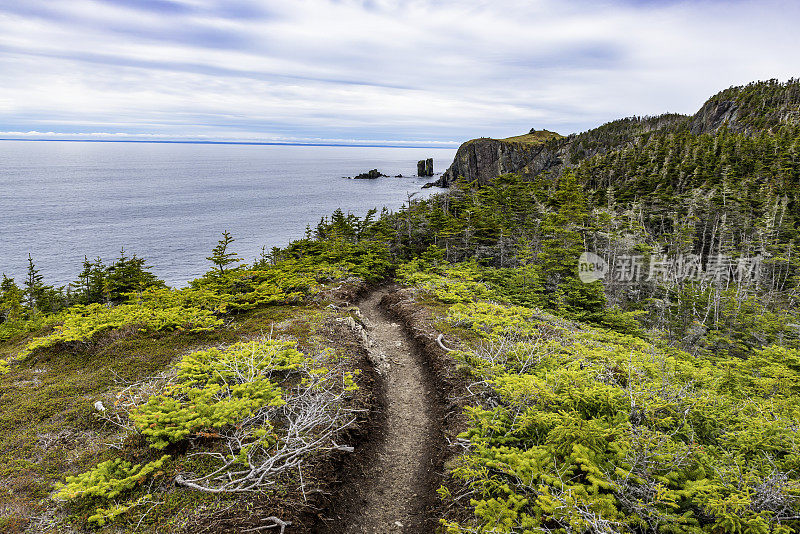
<point>435,72</point>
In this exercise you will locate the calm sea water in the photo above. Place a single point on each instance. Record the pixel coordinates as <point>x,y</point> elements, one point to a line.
<point>169,203</point>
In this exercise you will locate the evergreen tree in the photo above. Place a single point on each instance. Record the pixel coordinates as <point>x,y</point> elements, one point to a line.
<point>220,256</point>
<point>11,300</point>
<point>562,245</point>
<point>129,275</point>
<point>35,289</point>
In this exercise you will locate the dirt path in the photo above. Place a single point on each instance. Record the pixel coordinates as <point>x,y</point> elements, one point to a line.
<point>396,488</point>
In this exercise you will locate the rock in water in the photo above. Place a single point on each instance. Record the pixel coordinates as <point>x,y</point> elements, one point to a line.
<point>425,167</point>
<point>371,175</point>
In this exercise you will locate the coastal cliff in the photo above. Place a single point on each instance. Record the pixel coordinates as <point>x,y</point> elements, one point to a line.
<point>483,159</point>
<point>749,109</point>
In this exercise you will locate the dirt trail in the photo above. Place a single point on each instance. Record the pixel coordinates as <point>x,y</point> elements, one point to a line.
<point>396,487</point>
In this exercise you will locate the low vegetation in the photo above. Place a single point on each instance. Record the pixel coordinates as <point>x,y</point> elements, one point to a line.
<point>661,401</point>
<point>582,429</point>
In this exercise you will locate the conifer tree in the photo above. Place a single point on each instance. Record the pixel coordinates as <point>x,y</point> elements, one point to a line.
<point>11,297</point>
<point>562,245</point>
<point>220,256</point>
<point>129,275</point>
<point>34,287</point>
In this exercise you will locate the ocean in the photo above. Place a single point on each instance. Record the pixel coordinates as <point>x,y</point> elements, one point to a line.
<point>169,203</point>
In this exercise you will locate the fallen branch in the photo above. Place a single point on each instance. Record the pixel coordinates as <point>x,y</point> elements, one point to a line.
<point>310,420</point>
<point>439,341</point>
<point>276,523</point>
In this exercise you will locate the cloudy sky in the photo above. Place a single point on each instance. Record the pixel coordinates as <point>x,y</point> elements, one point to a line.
<point>434,72</point>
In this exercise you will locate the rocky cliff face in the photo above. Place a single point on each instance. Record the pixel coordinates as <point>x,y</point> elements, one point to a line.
<point>713,115</point>
<point>747,109</point>
<point>750,108</point>
<point>482,159</point>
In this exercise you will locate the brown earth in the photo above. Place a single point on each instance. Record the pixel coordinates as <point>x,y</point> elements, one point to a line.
<point>392,489</point>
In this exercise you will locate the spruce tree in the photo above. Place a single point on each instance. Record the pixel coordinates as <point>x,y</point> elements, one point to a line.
<point>220,256</point>
<point>129,275</point>
<point>562,245</point>
<point>34,287</point>
<point>11,297</point>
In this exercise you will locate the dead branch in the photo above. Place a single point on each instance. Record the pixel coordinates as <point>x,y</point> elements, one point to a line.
<point>276,522</point>
<point>441,344</point>
<point>313,415</point>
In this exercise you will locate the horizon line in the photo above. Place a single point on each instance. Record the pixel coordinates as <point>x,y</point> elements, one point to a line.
<point>255,143</point>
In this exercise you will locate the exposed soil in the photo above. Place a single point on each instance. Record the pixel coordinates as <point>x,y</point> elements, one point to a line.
<point>392,491</point>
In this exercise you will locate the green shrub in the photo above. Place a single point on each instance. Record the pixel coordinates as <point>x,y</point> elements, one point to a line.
<point>595,431</point>
<point>448,284</point>
<point>85,323</point>
<point>217,388</point>
<point>109,479</point>
<point>108,482</point>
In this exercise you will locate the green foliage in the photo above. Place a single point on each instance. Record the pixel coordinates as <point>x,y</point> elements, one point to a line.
<point>283,283</point>
<point>11,300</point>
<point>468,282</point>
<point>764,105</point>
<point>215,389</point>
<point>48,425</point>
<point>221,257</point>
<point>597,430</point>
<point>15,319</point>
<point>369,260</point>
<point>107,482</point>
<point>39,297</point>
<point>98,283</point>
<point>109,479</point>
<point>490,320</point>
<point>108,515</point>
<point>86,323</point>
<point>448,284</point>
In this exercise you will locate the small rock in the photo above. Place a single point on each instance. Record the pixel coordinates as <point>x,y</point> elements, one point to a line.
<point>370,175</point>
<point>398,524</point>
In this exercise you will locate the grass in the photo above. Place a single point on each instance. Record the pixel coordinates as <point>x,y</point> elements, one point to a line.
<point>537,137</point>
<point>48,429</point>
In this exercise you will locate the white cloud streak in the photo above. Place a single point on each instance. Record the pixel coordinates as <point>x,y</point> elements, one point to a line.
<point>431,71</point>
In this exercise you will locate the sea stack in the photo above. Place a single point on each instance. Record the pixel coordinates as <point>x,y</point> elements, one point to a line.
<point>425,167</point>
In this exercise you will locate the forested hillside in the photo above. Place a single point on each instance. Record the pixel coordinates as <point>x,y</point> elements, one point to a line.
<point>618,322</point>
<point>709,203</point>
<point>759,107</point>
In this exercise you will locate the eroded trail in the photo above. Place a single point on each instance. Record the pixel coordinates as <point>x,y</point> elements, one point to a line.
<point>396,487</point>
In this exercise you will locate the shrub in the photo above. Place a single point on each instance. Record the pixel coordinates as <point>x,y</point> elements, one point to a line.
<point>86,323</point>
<point>595,431</point>
<point>217,388</point>
<point>107,482</point>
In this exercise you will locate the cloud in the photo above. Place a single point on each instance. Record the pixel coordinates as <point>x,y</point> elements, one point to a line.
<point>433,71</point>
